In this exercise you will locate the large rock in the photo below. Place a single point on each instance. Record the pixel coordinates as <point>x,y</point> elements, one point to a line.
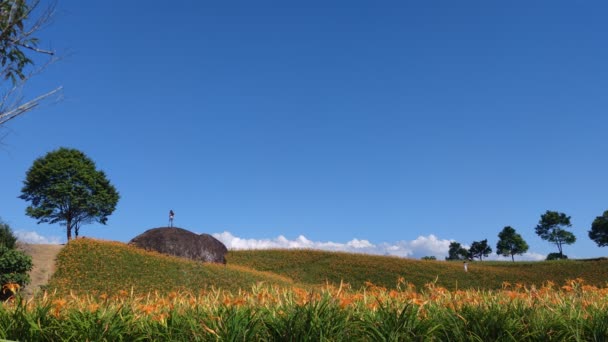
<point>182,243</point>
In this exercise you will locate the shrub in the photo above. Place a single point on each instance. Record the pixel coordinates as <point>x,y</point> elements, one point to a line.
<point>7,238</point>
<point>556,256</point>
<point>14,266</point>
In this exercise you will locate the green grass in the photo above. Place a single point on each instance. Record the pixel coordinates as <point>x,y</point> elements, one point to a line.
<point>319,267</point>
<point>91,266</point>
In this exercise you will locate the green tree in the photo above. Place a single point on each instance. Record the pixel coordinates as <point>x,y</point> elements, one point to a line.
<point>14,266</point>
<point>556,256</point>
<point>599,230</point>
<point>551,227</point>
<point>510,243</point>
<point>7,238</point>
<point>20,22</point>
<point>64,186</point>
<point>480,249</point>
<point>457,252</point>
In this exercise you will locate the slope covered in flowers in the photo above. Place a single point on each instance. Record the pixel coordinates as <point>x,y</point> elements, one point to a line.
<point>96,267</point>
<point>320,267</point>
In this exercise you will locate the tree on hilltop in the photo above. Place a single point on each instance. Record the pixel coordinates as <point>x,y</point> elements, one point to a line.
<point>510,243</point>
<point>599,230</point>
<point>552,227</point>
<point>457,252</point>
<point>480,249</point>
<point>65,187</point>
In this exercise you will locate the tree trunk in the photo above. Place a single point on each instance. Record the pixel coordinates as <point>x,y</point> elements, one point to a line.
<point>68,227</point>
<point>512,258</point>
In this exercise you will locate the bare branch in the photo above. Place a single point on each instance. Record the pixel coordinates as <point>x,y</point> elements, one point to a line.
<point>33,48</point>
<point>13,113</point>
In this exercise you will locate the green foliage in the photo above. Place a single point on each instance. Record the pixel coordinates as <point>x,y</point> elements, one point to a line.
<point>510,243</point>
<point>14,266</point>
<point>551,227</point>
<point>391,323</point>
<point>7,238</point>
<point>64,186</point>
<point>20,54</point>
<point>599,230</point>
<point>556,256</point>
<point>457,252</point>
<point>15,40</point>
<point>528,315</point>
<point>429,257</point>
<point>317,321</point>
<point>480,249</point>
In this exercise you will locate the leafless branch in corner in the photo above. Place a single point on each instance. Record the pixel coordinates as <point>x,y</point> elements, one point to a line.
<point>20,21</point>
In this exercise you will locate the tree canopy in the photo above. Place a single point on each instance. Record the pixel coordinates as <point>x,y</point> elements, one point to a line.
<point>7,238</point>
<point>551,227</point>
<point>480,249</point>
<point>457,252</point>
<point>510,243</point>
<point>599,230</point>
<point>65,187</point>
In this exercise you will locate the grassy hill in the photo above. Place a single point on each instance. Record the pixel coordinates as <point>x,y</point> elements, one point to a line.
<point>317,267</point>
<point>94,266</point>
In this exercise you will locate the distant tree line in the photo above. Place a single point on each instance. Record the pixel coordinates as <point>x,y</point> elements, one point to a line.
<point>552,227</point>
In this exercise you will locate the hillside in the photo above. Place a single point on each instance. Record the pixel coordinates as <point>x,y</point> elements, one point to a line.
<point>318,267</point>
<point>92,266</point>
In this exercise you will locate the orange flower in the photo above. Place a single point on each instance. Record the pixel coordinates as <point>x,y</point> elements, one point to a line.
<point>12,287</point>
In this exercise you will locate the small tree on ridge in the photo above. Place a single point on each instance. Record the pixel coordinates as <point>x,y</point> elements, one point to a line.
<point>480,249</point>
<point>510,243</point>
<point>457,252</point>
<point>599,230</point>
<point>551,227</point>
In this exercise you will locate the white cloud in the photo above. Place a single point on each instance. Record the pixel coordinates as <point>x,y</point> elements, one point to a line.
<point>33,237</point>
<point>421,246</point>
<point>529,256</point>
<point>234,242</point>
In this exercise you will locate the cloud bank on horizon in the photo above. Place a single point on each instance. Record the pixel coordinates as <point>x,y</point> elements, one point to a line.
<point>420,247</point>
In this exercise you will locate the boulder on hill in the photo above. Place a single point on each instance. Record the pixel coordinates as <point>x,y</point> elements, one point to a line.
<point>182,243</point>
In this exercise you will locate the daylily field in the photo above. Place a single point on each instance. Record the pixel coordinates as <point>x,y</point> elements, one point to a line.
<point>276,308</point>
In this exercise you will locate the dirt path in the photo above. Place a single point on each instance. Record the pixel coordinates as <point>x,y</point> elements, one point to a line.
<point>43,258</point>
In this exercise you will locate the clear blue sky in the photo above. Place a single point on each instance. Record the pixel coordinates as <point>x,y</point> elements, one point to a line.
<point>379,121</point>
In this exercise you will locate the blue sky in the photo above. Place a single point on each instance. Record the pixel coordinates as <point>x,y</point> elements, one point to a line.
<point>388,127</point>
